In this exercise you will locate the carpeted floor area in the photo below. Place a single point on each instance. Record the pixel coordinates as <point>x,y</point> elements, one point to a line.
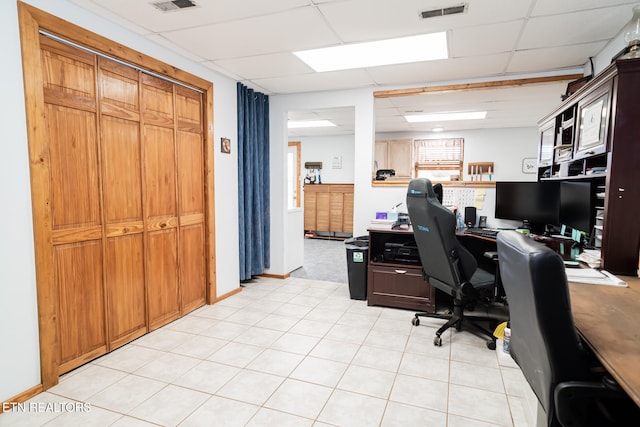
<point>323,260</point>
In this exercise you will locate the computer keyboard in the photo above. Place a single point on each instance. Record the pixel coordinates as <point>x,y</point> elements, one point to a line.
<point>484,232</point>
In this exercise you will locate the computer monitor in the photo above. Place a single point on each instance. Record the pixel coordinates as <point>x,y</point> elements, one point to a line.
<point>536,202</point>
<point>576,205</point>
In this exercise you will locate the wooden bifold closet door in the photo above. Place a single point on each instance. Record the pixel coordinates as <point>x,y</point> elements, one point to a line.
<point>126,200</point>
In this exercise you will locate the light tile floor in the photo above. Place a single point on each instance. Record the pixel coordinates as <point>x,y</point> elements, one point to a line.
<point>295,352</point>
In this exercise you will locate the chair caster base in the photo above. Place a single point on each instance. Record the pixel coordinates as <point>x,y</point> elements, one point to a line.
<point>415,321</point>
<point>437,341</point>
<point>491,345</point>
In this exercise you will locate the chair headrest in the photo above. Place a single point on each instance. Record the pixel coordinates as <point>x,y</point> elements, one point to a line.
<point>420,187</point>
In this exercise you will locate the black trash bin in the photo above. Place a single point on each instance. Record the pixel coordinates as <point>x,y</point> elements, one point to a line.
<point>357,259</point>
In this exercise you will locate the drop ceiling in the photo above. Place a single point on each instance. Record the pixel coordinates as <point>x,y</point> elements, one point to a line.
<point>251,41</point>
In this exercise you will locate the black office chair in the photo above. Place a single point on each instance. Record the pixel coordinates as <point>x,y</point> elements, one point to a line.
<point>564,375</point>
<point>447,265</point>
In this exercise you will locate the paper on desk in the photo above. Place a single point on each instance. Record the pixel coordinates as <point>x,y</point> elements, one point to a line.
<point>594,277</point>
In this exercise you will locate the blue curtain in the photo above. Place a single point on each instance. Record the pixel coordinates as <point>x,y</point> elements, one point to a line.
<point>253,181</point>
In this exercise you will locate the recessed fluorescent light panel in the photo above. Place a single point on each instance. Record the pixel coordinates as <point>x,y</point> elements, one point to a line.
<point>445,117</point>
<point>291,124</point>
<point>426,47</point>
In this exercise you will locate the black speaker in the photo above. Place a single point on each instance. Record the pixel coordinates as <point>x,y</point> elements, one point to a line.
<point>483,222</point>
<point>470,216</point>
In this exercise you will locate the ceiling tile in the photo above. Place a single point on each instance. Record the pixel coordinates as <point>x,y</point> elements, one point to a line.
<point>485,39</point>
<point>265,66</point>
<point>439,71</point>
<point>536,60</point>
<point>283,32</point>
<point>144,14</point>
<point>359,20</point>
<point>573,28</point>
<point>106,13</point>
<point>552,7</point>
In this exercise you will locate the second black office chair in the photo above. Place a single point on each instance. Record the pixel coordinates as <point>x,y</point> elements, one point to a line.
<point>564,375</point>
<point>447,265</point>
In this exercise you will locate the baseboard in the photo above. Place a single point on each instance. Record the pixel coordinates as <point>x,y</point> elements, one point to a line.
<point>276,276</point>
<point>227,295</point>
<point>22,397</point>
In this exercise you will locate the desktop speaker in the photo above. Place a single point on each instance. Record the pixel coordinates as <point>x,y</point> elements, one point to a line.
<point>470,216</point>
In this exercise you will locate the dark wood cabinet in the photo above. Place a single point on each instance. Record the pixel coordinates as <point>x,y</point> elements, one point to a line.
<point>395,279</point>
<point>595,135</point>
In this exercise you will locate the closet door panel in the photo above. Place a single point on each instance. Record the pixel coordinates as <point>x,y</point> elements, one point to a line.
<point>190,173</point>
<point>189,110</point>
<point>68,75</point>
<point>121,171</point>
<point>75,195</point>
<point>190,157</point>
<point>163,296</point>
<point>192,267</point>
<point>157,101</point>
<point>119,90</point>
<point>126,298</point>
<point>160,173</point>
<point>82,334</point>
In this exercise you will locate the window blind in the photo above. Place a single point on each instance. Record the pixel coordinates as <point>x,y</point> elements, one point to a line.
<point>440,151</point>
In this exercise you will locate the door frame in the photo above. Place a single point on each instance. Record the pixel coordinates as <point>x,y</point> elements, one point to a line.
<point>31,22</point>
<point>297,146</point>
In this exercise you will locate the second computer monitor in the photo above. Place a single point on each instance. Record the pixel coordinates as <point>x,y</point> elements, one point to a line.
<point>576,206</point>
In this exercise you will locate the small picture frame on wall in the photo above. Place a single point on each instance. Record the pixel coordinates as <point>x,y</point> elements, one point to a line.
<point>529,165</point>
<point>225,145</point>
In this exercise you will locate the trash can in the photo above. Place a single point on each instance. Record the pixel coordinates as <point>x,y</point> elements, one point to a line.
<point>357,260</point>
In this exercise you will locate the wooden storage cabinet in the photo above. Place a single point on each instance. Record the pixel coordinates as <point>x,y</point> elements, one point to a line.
<point>396,284</point>
<point>606,153</point>
<point>328,208</point>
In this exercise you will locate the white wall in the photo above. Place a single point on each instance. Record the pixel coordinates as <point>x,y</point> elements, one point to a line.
<point>603,58</point>
<point>19,354</point>
<point>19,351</point>
<point>324,149</point>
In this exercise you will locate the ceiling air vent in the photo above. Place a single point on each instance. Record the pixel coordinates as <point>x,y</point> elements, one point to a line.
<point>453,10</point>
<point>167,6</point>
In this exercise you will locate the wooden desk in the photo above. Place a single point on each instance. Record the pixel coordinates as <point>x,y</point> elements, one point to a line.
<point>608,319</point>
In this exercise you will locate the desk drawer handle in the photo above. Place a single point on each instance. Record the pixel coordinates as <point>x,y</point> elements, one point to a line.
<point>401,271</point>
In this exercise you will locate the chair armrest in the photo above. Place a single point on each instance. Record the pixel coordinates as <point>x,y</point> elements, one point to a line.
<point>491,255</point>
<point>593,403</point>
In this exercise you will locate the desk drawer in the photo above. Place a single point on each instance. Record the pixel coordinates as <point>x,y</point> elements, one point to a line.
<point>399,286</point>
